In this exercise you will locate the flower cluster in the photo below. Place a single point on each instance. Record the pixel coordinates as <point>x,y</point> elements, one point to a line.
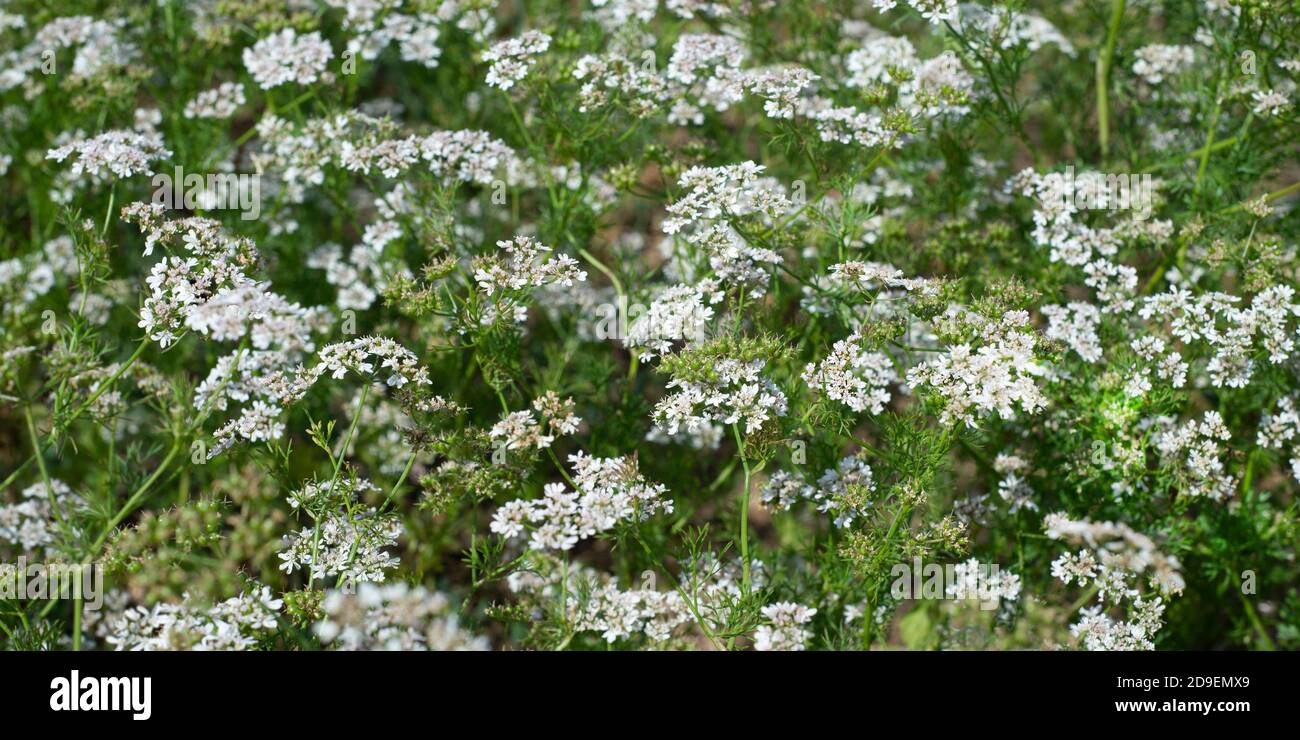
<point>393,616</point>
<point>607,492</point>
<point>1113,556</point>
<point>237,623</point>
<point>737,392</point>
<point>348,541</point>
<point>785,628</point>
<point>34,523</point>
<point>286,57</point>
<point>629,324</point>
<point>844,490</point>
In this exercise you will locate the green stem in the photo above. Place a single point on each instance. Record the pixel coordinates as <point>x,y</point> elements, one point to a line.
<point>410,462</point>
<point>112,196</point>
<point>560,468</point>
<point>744,510</point>
<point>564,600</point>
<point>618,285</point>
<point>108,382</point>
<point>17,471</point>
<point>55,506</point>
<point>134,500</point>
<point>76,624</point>
<point>334,477</point>
<point>1103,76</point>
<point>1211,129</point>
<point>1253,616</point>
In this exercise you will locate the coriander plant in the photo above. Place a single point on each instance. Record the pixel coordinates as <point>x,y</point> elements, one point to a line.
<point>627,324</point>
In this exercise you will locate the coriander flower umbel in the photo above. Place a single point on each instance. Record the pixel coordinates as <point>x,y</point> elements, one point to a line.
<point>614,75</point>
<point>349,539</point>
<point>982,581</point>
<point>1269,102</point>
<point>617,613</point>
<point>780,88</point>
<point>208,291</point>
<point>872,277</point>
<point>705,216</point>
<point>712,193</point>
<point>393,616</point>
<point>679,313</point>
<point>1112,559</point>
<point>1098,631</point>
<point>737,392</point>
<point>219,102</point>
<point>785,628</point>
<point>1214,318</point>
<point>123,153</point>
<point>697,53</point>
<point>286,57</point>
<point>371,357</point>
<point>525,267</point>
<point>467,156</point>
<point>993,377</point>
<point>31,525</point>
<point>1115,545</point>
<point>238,623</point>
<point>181,285</point>
<point>520,429</point>
<point>100,49</point>
<point>378,24</point>
<point>359,277</point>
<point>1280,429</point>
<point>843,491</point>
<point>1158,61</point>
<point>1076,325</point>
<point>854,377</point>
<point>1195,449</point>
<point>609,491</point>
<point>512,58</point>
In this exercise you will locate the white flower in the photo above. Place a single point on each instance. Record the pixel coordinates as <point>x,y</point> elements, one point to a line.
<point>737,393</point>
<point>348,541</point>
<point>785,629</point>
<point>609,491</point>
<point>677,314</point>
<point>219,102</point>
<point>393,617</point>
<point>286,57</point>
<point>994,377</point>
<point>856,378</point>
<point>1158,61</point>
<point>512,58</point>
<point>123,153</point>
<point>1270,102</point>
<point>234,624</point>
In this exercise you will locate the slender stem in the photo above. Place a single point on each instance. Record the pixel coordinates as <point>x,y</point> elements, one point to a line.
<point>744,510</point>
<point>1220,144</point>
<point>1103,76</point>
<point>131,503</point>
<point>112,196</point>
<point>55,506</point>
<point>564,599</point>
<point>618,285</point>
<point>1253,616</point>
<point>410,462</point>
<point>108,382</point>
<point>1084,599</point>
<point>17,471</point>
<point>1211,129</point>
<point>560,468</point>
<point>334,476</point>
<point>76,624</point>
